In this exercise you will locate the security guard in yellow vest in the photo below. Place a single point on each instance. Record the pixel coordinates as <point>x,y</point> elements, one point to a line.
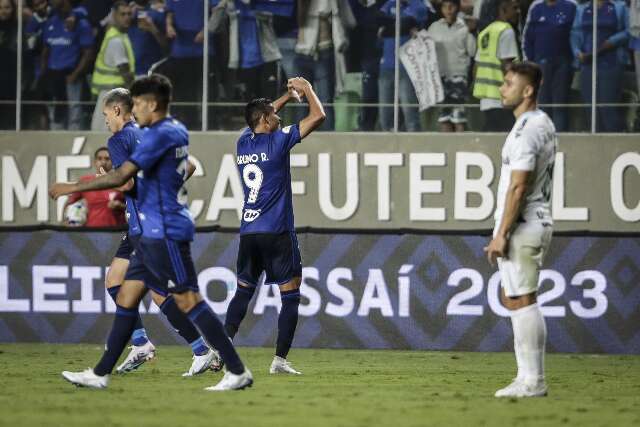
<point>490,63</point>
<point>111,69</point>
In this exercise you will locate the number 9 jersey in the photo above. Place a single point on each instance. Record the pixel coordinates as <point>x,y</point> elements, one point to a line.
<point>263,163</point>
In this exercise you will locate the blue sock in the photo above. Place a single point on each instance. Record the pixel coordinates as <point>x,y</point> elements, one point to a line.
<point>287,321</point>
<point>199,347</point>
<point>139,337</point>
<point>123,324</point>
<point>213,331</point>
<point>181,323</point>
<point>238,309</point>
<point>142,336</point>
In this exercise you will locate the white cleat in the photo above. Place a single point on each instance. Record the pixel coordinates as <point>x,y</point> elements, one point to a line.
<point>209,360</point>
<point>137,356</point>
<point>86,378</point>
<point>232,381</point>
<point>282,366</point>
<point>519,389</point>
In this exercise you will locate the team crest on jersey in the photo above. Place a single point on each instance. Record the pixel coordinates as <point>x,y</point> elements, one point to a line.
<point>286,129</point>
<point>251,215</point>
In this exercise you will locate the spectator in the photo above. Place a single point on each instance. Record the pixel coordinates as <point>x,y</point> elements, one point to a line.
<point>369,54</point>
<point>105,207</point>
<point>546,41</point>
<point>66,56</point>
<point>455,46</point>
<point>612,42</point>
<point>35,116</point>
<point>322,28</point>
<point>8,70</point>
<point>634,30</point>
<point>497,47</point>
<point>253,49</point>
<point>413,16</point>
<point>115,64</point>
<point>185,29</point>
<point>286,28</point>
<point>147,34</point>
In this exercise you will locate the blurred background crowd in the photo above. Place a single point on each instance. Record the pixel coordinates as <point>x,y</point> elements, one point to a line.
<point>75,50</point>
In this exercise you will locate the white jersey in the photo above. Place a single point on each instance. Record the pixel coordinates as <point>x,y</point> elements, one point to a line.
<point>530,146</point>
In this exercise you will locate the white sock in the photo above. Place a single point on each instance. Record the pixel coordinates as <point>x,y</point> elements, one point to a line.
<point>530,335</point>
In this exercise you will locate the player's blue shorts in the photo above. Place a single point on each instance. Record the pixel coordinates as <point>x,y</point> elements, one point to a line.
<point>278,255</point>
<point>165,266</point>
<point>125,248</point>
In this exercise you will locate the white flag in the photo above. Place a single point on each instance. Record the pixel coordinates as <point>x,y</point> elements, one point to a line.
<point>418,55</point>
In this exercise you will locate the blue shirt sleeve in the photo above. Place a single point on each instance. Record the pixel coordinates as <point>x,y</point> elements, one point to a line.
<point>118,151</point>
<point>85,33</point>
<point>287,137</point>
<point>148,152</point>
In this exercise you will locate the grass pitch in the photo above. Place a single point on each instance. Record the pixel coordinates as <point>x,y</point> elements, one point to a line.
<point>338,388</point>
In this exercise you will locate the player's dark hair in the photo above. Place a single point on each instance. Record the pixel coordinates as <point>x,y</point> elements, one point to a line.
<point>456,3</point>
<point>119,96</point>
<point>255,110</point>
<point>118,4</point>
<point>95,154</point>
<point>155,85</point>
<point>531,71</point>
<point>499,4</point>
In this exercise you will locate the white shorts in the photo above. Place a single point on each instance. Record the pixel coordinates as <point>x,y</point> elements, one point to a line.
<point>520,270</point>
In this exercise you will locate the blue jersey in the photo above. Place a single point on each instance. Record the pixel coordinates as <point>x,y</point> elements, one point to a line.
<point>162,158</point>
<point>65,46</point>
<point>121,145</point>
<point>146,49</point>
<point>263,162</point>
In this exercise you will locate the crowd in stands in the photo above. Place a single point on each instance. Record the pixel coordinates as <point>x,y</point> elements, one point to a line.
<point>75,50</point>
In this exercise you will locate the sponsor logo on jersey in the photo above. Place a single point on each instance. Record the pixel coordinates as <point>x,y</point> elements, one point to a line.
<point>250,215</point>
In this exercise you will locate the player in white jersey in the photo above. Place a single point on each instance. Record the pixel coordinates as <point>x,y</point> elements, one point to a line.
<point>523,224</point>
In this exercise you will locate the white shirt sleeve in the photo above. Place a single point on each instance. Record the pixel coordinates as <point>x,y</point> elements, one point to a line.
<point>115,53</point>
<point>507,45</point>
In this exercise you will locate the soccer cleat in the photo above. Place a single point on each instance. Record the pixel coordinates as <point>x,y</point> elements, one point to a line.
<point>86,378</point>
<point>209,360</point>
<point>282,366</point>
<point>232,381</point>
<point>519,389</point>
<point>137,356</point>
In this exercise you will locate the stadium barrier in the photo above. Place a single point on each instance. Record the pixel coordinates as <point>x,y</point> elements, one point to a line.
<point>391,231</point>
<point>431,291</point>
<point>355,180</point>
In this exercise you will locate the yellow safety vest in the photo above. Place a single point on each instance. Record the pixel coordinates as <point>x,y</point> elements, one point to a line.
<point>106,77</point>
<point>489,75</point>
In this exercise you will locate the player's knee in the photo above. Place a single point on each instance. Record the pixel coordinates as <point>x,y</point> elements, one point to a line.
<point>291,285</point>
<point>245,290</point>
<point>126,301</point>
<point>187,300</point>
<point>157,298</point>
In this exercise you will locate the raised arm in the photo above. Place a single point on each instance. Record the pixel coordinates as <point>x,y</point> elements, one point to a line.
<point>112,179</point>
<point>279,103</point>
<point>316,113</point>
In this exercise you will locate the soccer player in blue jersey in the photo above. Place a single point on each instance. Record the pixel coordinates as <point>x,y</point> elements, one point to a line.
<point>163,249</point>
<point>127,134</point>
<point>268,241</point>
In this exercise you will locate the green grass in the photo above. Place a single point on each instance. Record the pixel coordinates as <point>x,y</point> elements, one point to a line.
<point>338,388</point>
